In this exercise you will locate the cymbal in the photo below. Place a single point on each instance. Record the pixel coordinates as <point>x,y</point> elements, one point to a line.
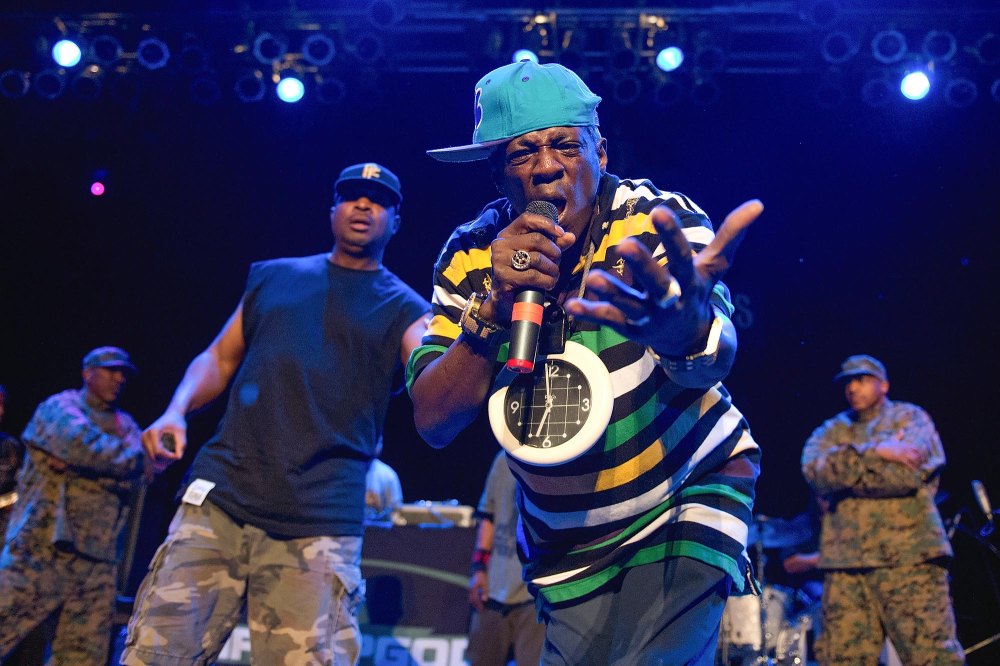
<point>780,532</point>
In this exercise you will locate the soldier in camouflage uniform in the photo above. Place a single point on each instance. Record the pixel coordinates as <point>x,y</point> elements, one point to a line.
<point>11,455</point>
<point>876,467</point>
<point>84,462</point>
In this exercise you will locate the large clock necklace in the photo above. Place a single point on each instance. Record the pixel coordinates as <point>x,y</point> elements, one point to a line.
<point>560,410</point>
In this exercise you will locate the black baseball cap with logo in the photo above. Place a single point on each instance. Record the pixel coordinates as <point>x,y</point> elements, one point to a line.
<point>356,178</point>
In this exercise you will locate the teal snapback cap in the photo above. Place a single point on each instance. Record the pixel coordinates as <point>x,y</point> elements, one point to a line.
<point>519,98</point>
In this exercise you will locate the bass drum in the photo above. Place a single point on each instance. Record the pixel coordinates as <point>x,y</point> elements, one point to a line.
<point>740,635</point>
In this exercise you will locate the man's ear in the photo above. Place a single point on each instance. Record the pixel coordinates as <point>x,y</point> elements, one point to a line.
<point>396,222</point>
<point>497,176</point>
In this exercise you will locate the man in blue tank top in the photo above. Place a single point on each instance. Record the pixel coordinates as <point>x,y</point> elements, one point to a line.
<point>273,505</point>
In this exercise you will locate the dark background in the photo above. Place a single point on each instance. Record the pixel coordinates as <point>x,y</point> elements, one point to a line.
<point>879,236</point>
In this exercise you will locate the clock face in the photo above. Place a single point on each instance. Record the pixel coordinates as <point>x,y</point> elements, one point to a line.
<point>556,413</point>
<point>547,408</point>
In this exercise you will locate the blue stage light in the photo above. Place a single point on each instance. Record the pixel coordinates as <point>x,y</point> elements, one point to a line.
<point>915,85</point>
<point>669,58</point>
<point>290,89</point>
<point>524,54</point>
<point>66,53</point>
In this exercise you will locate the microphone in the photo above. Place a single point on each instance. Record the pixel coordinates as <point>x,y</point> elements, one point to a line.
<point>954,524</point>
<point>983,500</point>
<point>526,319</point>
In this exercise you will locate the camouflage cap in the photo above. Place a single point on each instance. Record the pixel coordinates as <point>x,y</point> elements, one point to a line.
<point>861,364</point>
<point>108,357</point>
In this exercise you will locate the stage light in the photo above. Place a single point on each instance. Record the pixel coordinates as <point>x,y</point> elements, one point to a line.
<point>193,58</point>
<point>838,47</point>
<point>988,49</point>
<point>626,88</point>
<point>290,89</point>
<point>97,188</point>
<point>705,92</point>
<point>367,47</point>
<point>877,92</point>
<point>152,53</point>
<point>960,92</point>
<point>66,53</point>
<point>915,85</point>
<point>889,46</point>
<point>670,58</point>
<point>329,90</point>
<point>534,39</point>
<point>939,45</point>
<point>624,55</point>
<point>49,84</point>
<point>250,87</point>
<point>823,13</point>
<point>709,58</point>
<point>318,49</point>
<point>383,13</point>
<point>105,50</point>
<point>87,84</point>
<point>205,90</point>
<point>669,91</point>
<point>269,48</point>
<point>524,54</point>
<point>14,84</point>
<point>572,49</point>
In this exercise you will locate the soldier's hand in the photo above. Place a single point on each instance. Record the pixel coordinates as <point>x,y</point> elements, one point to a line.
<point>902,453</point>
<point>56,464</point>
<point>801,562</point>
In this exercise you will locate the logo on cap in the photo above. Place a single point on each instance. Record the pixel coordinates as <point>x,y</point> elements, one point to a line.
<point>371,171</point>
<point>478,110</point>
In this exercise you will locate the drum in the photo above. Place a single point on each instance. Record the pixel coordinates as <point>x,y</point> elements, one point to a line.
<point>792,642</point>
<point>740,631</point>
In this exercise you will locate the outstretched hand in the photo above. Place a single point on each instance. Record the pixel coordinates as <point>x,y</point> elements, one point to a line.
<point>164,441</point>
<point>669,307</point>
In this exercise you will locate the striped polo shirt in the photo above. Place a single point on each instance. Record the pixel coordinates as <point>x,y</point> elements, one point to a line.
<point>673,474</point>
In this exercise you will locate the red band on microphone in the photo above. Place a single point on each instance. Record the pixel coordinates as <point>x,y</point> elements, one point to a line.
<point>530,312</point>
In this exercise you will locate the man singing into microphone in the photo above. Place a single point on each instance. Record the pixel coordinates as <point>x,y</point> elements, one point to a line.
<point>882,544</point>
<point>634,538</point>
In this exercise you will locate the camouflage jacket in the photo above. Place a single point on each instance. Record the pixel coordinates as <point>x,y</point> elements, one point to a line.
<point>84,462</point>
<point>881,513</point>
<point>11,455</point>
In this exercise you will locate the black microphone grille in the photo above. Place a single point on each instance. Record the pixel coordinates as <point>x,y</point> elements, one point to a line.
<point>545,208</point>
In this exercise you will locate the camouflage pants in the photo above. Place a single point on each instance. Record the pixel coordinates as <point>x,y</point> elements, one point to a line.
<point>301,595</point>
<point>38,581</point>
<point>909,604</point>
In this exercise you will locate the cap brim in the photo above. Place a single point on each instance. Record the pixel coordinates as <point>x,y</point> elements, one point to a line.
<point>369,182</point>
<point>470,153</point>
<point>125,367</point>
<point>854,373</point>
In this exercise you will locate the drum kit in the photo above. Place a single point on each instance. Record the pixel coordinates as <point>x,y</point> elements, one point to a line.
<point>773,628</point>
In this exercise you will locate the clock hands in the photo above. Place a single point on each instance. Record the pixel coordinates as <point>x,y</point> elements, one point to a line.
<point>549,399</point>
